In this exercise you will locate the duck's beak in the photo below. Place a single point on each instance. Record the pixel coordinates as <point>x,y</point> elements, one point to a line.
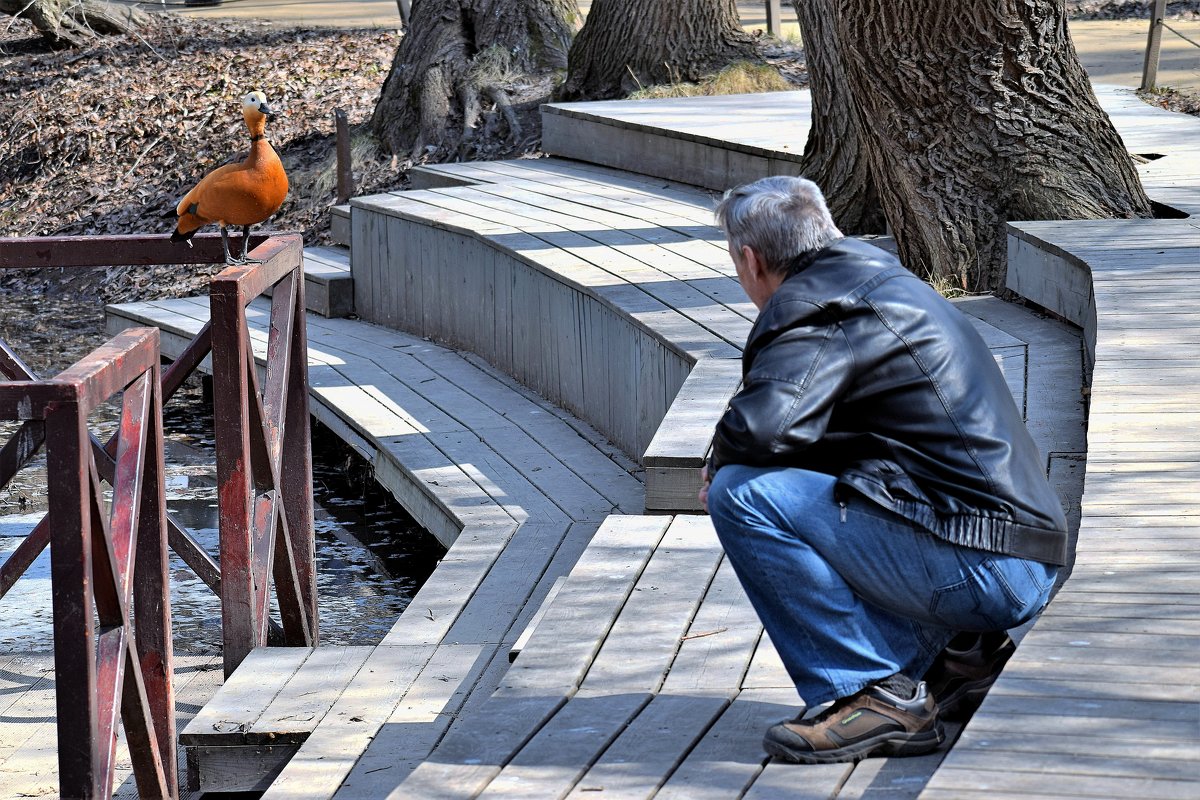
<point>266,111</point>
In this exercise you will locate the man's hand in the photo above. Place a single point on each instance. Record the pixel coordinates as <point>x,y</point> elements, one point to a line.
<point>705,483</point>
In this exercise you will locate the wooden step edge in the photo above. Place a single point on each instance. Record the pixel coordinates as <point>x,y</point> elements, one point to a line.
<point>523,639</point>
<point>437,176</point>
<point>339,224</point>
<point>680,445</point>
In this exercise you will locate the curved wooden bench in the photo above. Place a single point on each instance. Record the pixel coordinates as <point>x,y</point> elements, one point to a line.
<point>601,290</point>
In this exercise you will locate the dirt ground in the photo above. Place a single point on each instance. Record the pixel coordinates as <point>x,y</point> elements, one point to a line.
<point>106,139</point>
<point>1110,35</point>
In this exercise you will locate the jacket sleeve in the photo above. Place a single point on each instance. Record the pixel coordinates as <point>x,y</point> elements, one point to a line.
<point>787,397</point>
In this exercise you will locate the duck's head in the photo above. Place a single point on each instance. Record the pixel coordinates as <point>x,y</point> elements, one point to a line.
<point>256,112</point>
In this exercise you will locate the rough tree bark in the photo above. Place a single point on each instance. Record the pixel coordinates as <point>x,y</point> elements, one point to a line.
<point>625,44</point>
<point>460,53</point>
<point>834,157</point>
<point>974,113</point>
<point>70,23</point>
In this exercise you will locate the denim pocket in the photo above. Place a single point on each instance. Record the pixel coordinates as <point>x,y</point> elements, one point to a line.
<point>1025,584</point>
<point>963,605</point>
<point>997,593</point>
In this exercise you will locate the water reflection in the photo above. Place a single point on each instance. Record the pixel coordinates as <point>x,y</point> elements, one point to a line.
<point>371,556</point>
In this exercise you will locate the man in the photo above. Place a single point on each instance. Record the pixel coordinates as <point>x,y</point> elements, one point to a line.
<point>873,485</point>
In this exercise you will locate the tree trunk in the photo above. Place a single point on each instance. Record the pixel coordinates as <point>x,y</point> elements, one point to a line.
<point>70,23</point>
<point>460,53</point>
<point>974,113</point>
<point>628,44</point>
<point>834,157</point>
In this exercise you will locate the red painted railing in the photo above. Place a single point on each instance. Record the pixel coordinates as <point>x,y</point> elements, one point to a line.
<point>263,466</point>
<point>105,568</point>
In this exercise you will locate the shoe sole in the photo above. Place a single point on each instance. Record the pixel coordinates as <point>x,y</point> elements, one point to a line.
<point>960,705</point>
<point>885,744</point>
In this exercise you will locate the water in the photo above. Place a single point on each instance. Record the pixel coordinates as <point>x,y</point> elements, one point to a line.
<point>371,556</point>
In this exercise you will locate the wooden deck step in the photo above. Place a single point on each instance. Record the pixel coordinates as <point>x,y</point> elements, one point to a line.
<point>599,289</point>
<point>513,486</point>
<point>712,143</point>
<point>328,285</point>
<point>339,224</point>
<point>719,143</point>
<point>567,257</point>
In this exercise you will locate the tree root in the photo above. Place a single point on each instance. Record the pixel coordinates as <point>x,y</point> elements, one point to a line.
<point>78,22</point>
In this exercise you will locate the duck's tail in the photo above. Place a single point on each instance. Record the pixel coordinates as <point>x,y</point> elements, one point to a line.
<point>187,226</point>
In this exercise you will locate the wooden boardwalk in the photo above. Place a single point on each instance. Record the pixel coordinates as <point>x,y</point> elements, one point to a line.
<point>649,674</point>
<point>29,739</point>
<point>513,486</point>
<point>1101,699</point>
<point>642,670</point>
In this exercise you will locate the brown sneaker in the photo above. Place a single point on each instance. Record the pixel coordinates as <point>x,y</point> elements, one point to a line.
<point>873,722</point>
<point>960,677</point>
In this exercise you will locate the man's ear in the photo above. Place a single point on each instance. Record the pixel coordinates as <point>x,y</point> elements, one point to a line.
<point>754,262</point>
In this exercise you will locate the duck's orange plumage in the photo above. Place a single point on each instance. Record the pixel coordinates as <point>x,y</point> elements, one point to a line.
<point>245,193</point>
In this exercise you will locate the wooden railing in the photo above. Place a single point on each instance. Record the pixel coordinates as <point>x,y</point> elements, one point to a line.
<point>264,458</point>
<point>263,469</point>
<point>112,610</point>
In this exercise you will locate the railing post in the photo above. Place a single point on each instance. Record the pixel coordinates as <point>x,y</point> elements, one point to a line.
<point>296,478</point>
<point>345,167</point>
<point>1153,46</point>
<point>774,18</point>
<point>231,422</point>
<point>79,757</point>
<point>152,591</point>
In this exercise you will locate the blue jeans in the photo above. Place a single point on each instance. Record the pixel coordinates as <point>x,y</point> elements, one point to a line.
<point>853,594</point>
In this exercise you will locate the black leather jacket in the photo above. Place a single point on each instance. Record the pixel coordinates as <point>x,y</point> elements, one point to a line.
<point>857,368</point>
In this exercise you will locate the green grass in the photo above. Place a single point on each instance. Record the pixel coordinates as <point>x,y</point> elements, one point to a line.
<point>740,78</point>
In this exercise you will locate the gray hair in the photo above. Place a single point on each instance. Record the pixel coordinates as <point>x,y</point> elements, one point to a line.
<point>779,218</point>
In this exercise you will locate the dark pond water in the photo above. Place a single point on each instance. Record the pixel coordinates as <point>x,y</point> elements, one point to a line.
<point>372,557</point>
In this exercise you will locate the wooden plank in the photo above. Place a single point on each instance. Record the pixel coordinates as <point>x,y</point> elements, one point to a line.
<point>552,762</point>
<point>417,722</point>
<point>895,778</point>
<point>1099,690</point>
<point>650,748</point>
<point>473,752</point>
<point>297,709</point>
<point>766,668</point>
<point>1013,784</point>
<point>333,748</point>
<point>730,755</point>
<point>444,595</point>
<point>260,678</point>
<point>527,631</point>
<point>1023,740</point>
<point>685,434</point>
<point>716,651</point>
<point>28,701</point>
<point>782,781</point>
<point>498,600</point>
<point>560,651</point>
<point>236,768</point>
<point>643,641</point>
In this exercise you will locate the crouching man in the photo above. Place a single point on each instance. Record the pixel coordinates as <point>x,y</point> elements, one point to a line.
<point>873,485</point>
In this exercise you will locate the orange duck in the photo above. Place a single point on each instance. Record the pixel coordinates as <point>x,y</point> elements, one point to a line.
<point>244,193</point>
